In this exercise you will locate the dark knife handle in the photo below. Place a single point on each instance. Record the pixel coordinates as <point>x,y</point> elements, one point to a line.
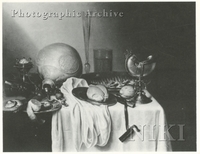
<point>127,134</point>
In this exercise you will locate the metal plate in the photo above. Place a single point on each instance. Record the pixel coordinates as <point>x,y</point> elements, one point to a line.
<point>80,93</point>
<point>55,105</point>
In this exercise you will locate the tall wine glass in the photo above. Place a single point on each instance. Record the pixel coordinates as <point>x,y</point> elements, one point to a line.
<point>86,20</point>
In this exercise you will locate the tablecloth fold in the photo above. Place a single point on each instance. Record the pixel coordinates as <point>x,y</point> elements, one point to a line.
<point>91,124</point>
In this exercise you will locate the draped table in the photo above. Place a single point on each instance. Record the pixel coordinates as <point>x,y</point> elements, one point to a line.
<point>149,118</point>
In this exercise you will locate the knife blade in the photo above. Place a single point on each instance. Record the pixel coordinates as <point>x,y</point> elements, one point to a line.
<point>126,115</point>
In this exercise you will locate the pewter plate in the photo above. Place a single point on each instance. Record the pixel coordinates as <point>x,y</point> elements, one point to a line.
<point>80,93</point>
<point>55,106</point>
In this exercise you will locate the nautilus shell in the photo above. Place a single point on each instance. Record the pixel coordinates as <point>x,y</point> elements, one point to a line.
<point>137,68</point>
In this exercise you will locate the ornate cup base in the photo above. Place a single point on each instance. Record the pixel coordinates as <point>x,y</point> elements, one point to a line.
<point>141,98</point>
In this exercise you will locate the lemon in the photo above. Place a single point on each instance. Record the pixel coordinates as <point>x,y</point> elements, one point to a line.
<point>127,91</point>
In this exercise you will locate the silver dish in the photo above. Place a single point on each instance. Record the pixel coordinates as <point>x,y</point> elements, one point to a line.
<point>80,93</point>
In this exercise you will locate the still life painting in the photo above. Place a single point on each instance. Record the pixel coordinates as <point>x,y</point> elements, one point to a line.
<point>99,76</point>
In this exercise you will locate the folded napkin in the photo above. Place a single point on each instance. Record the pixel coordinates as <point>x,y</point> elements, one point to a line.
<point>91,123</point>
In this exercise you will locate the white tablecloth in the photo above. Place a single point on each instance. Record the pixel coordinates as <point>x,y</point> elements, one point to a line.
<point>149,118</point>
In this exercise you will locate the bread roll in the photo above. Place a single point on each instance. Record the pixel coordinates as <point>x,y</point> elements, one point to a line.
<point>97,93</point>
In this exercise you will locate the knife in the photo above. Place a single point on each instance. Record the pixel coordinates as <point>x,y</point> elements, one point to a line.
<point>130,131</point>
<point>126,115</point>
<point>123,100</point>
